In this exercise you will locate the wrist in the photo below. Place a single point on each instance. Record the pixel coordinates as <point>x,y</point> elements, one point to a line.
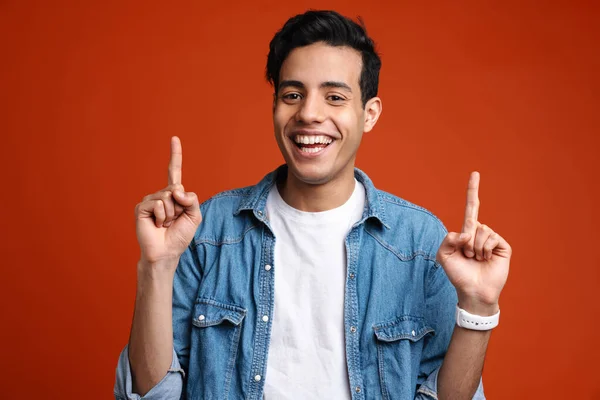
<point>477,306</point>
<point>158,270</point>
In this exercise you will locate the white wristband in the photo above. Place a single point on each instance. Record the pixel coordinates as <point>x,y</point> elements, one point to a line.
<point>476,322</point>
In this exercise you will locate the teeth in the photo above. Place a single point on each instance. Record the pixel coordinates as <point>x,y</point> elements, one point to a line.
<point>311,149</point>
<point>312,139</point>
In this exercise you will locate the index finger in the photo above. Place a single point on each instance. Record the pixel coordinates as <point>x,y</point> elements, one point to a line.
<point>175,162</point>
<point>472,206</point>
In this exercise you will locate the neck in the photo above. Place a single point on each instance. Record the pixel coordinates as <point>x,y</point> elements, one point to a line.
<point>317,197</point>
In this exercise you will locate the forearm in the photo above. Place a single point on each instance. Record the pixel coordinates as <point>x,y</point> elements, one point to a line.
<point>463,364</point>
<point>151,339</point>
<point>461,369</point>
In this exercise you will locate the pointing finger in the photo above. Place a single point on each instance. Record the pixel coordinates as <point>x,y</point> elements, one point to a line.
<point>471,213</point>
<point>472,206</point>
<point>175,162</point>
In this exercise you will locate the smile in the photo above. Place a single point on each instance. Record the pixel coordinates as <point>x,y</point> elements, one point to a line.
<point>312,144</point>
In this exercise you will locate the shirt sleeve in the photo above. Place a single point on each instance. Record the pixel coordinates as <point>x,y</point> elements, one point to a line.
<point>185,289</point>
<point>169,388</point>
<point>428,390</point>
<point>441,300</point>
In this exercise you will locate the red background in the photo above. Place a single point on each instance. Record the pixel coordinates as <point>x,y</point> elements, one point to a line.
<point>90,93</point>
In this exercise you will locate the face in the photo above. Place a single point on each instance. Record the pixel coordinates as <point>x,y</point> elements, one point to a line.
<point>318,114</point>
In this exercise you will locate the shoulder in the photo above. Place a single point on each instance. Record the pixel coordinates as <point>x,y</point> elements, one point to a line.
<point>223,220</point>
<point>411,229</point>
<point>229,199</point>
<point>400,210</point>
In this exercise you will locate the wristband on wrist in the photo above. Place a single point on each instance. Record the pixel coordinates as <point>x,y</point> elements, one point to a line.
<point>467,320</point>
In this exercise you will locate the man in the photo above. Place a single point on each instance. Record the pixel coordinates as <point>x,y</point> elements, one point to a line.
<point>312,284</point>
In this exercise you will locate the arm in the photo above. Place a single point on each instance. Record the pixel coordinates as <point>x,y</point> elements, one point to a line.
<point>166,222</point>
<point>151,339</point>
<point>476,262</point>
<point>461,370</point>
<point>171,381</point>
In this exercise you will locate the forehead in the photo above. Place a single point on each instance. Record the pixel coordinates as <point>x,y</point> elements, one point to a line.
<point>320,62</point>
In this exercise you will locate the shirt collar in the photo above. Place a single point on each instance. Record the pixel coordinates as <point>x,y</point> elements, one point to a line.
<point>256,199</point>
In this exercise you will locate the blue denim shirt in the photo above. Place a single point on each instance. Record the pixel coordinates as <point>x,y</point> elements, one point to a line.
<point>398,312</point>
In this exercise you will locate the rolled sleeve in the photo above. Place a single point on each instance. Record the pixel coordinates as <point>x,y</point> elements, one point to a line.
<point>169,388</point>
<point>428,390</point>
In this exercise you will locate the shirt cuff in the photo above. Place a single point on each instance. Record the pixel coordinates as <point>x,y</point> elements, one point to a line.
<point>428,389</point>
<point>169,388</point>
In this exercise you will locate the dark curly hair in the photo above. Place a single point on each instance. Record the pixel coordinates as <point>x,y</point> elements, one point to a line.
<point>335,30</point>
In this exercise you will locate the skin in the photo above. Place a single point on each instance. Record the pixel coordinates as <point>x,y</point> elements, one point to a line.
<point>476,260</point>
<point>165,225</point>
<point>319,91</point>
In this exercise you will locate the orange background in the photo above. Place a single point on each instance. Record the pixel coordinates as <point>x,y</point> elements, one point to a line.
<point>90,93</point>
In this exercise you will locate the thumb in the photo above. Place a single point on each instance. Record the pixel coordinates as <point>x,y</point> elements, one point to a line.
<point>190,204</point>
<point>452,242</point>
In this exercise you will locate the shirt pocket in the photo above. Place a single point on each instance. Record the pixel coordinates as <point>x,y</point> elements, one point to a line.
<point>216,331</point>
<point>399,348</point>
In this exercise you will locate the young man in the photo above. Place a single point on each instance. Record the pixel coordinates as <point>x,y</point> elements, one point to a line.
<point>312,284</point>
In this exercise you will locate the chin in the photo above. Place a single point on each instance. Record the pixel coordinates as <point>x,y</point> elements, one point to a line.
<point>312,174</point>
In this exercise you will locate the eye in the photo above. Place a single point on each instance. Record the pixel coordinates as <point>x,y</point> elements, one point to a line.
<point>292,96</point>
<point>334,98</point>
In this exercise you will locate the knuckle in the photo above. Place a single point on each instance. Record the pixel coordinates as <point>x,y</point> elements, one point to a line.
<point>474,202</point>
<point>176,186</point>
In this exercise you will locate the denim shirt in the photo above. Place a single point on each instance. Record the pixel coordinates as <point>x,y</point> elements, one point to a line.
<point>398,310</point>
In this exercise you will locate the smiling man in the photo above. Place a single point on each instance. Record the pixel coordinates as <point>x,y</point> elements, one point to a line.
<point>312,284</point>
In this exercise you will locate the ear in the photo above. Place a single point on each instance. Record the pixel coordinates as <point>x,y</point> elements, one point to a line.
<point>373,110</point>
<point>274,102</point>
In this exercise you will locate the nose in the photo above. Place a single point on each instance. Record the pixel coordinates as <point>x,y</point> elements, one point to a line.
<point>311,110</point>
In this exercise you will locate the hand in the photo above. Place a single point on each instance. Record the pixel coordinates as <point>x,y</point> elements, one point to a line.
<point>166,221</point>
<point>476,260</point>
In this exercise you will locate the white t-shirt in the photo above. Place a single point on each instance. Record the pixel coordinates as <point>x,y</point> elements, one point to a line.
<point>307,357</point>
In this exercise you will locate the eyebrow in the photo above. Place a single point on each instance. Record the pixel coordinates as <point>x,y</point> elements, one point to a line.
<point>327,84</point>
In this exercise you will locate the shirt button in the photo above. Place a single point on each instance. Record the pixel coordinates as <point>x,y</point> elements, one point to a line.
<point>268,267</point>
<point>201,318</point>
<point>257,378</point>
<point>357,389</point>
<point>352,329</point>
<point>413,333</point>
<point>351,276</point>
<point>259,213</point>
<point>265,318</point>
